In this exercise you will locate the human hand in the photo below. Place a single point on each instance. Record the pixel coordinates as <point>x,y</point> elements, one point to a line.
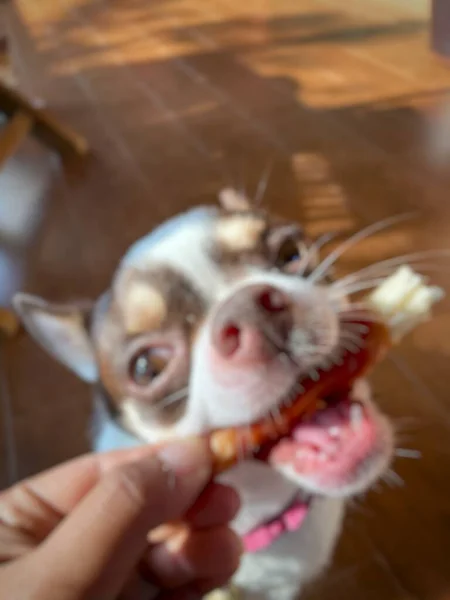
<point>80,531</point>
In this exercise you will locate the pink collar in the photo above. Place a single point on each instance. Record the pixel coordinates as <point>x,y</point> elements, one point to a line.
<point>263,536</point>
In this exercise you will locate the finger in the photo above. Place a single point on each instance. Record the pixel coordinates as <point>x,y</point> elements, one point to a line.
<point>189,556</point>
<point>217,505</point>
<point>105,535</point>
<point>36,505</point>
<point>14,543</point>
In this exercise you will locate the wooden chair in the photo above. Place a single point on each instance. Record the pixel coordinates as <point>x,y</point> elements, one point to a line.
<point>23,120</point>
<point>440,27</point>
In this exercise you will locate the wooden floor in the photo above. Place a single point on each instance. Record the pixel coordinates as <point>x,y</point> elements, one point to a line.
<point>179,97</point>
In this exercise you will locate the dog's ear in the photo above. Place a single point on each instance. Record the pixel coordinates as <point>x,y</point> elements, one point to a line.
<point>62,330</point>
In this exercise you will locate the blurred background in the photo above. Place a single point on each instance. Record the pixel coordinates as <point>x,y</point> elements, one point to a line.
<point>346,103</point>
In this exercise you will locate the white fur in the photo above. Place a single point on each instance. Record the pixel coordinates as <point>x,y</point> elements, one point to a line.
<point>280,572</point>
<point>185,250</point>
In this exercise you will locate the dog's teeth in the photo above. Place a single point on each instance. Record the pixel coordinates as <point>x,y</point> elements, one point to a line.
<point>334,431</point>
<point>314,375</point>
<point>356,415</point>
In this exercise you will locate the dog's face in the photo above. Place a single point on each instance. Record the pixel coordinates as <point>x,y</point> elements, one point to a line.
<point>212,322</point>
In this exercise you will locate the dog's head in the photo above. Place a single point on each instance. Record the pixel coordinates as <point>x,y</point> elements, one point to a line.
<point>210,322</point>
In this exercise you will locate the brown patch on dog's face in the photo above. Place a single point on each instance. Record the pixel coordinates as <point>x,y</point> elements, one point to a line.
<point>144,307</point>
<point>159,307</point>
<point>143,335</point>
<point>240,232</point>
<point>156,299</point>
<point>260,239</point>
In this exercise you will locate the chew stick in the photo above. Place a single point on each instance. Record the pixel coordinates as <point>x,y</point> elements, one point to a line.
<point>401,302</point>
<point>229,444</point>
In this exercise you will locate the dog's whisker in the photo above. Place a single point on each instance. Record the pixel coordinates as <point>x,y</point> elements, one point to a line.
<point>350,347</point>
<point>351,337</point>
<point>357,237</point>
<point>314,250</point>
<point>407,424</point>
<point>352,341</point>
<point>355,328</point>
<point>286,355</point>
<point>277,416</point>
<point>407,453</point>
<point>325,265</point>
<point>383,274</point>
<point>172,398</point>
<point>347,330</point>
<point>351,316</point>
<point>353,306</point>
<point>393,479</point>
<point>393,262</point>
<point>262,185</point>
<point>323,240</point>
<point>363,311</point>
<point>358,287</point>
<point>272,337</point>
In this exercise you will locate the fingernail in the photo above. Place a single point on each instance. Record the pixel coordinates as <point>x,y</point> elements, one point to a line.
<point>175,543</point>
<point>187,457</point>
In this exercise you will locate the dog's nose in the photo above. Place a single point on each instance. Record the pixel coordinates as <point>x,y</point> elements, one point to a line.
<point>252,325</point>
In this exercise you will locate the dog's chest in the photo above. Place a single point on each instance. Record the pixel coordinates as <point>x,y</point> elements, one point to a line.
<point>263,491</point>
<point>282,570</point>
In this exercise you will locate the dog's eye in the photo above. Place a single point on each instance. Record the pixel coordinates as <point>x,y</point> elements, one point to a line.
<point>146,365</point>
<point>289,252</point>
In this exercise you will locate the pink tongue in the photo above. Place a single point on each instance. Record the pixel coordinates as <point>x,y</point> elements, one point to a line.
<point>289,520</point>
<point>315,434</point>
<point>305,437</point>
<point>311,435</point>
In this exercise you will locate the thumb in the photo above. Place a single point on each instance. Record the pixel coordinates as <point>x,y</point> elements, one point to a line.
<point>98,545</point>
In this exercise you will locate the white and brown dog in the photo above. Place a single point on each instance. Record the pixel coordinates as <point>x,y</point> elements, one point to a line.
<point>211,321</point>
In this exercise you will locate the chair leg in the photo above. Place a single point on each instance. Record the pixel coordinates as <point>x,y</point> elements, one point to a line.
<point>13,134</point>
<point>46,128</point>
<point>9,323</point>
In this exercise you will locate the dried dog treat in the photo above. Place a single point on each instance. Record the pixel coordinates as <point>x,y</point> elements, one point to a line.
<point>401,302</point>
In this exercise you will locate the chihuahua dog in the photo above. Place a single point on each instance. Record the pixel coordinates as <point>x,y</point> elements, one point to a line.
<point>211,321</point>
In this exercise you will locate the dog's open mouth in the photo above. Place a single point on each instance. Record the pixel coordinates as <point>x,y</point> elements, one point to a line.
<point>329,447</point>
<point>332,444</point>
<point>324,429</point>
